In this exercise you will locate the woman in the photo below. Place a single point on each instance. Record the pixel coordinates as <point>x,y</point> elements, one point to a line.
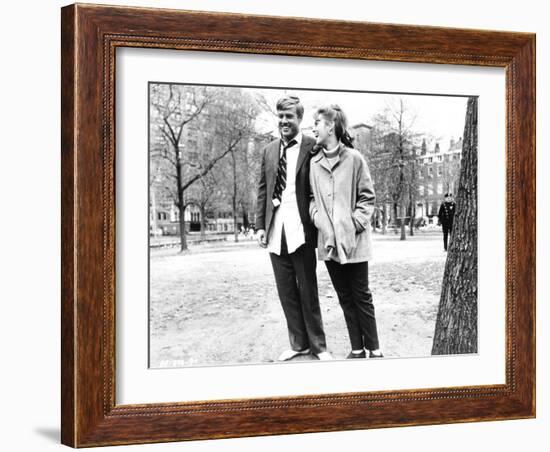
<point>341,207</point>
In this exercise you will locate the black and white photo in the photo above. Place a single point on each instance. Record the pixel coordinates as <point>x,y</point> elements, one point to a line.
<point>292,225</point>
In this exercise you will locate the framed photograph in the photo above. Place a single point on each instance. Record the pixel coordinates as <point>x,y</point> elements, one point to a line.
<point>267,231</point>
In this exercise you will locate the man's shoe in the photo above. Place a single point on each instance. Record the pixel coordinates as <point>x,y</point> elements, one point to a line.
<point>375,355</point>
<point>324,356</point>
<point>356,355</point>
<point>289,354</point>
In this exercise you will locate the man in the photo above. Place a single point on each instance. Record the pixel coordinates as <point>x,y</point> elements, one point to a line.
<point>446,216</point>
<point>284,228</point>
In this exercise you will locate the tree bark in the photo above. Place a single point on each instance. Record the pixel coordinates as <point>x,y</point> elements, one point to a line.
<point>183,232</point>
<point>412,215</point>
<point>456,325</point>
<point>246,221</point>
<point>203,222</point>
<point>180,204</point>
<point>234,197</point>
<point>153,217</point>
<point>403,215</point>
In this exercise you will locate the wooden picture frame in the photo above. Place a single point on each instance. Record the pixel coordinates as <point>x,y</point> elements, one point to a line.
<point>90,36</point>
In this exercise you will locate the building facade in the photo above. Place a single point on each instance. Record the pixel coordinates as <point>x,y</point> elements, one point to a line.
<point>438,173</point>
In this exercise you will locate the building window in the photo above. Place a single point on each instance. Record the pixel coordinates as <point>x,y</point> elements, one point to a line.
<point>439,171</point>
<point>421,190</point>
<point>430,171</point>
<point>430,159</point>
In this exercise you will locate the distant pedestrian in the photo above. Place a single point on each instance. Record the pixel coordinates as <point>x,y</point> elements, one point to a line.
<point>446,217</point>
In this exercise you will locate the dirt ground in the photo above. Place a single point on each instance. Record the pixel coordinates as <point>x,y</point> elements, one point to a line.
<point>218,304</point>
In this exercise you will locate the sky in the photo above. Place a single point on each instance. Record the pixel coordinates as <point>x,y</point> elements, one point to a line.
<point>439,117</point>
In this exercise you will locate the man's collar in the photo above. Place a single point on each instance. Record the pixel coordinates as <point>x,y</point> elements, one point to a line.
<point>297,138</point>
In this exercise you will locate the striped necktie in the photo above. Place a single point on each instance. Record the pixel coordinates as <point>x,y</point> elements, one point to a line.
<point>280,183</point>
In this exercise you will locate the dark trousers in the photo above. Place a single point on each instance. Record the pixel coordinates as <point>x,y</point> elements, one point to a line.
<point>296,279</point>
<point>351,282</point>
<point>446,232</point>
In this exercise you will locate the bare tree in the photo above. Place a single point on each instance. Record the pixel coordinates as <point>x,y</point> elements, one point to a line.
<point>450,173</point>
<point>394,158</point>
<point>413,190</point>
<point>205,194</point>
<point>235,129</point>
<point>173,107</point>
<point>201,125</point>
<point>456,325</point>
<point>378,166</point>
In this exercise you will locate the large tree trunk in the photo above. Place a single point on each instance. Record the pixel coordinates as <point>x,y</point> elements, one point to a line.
<point>203,222</point>
<point>180,203</point>
<point>234,197</point>
<point>412,215</point>
<point>456,325</point>
<point>153,217</point>
<point>246,221</point>
<point>403,215</point>
<point>183,232</point>
<point>384,219</point>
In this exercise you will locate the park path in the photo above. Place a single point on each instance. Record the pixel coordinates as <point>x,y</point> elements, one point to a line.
<point>219,305</point>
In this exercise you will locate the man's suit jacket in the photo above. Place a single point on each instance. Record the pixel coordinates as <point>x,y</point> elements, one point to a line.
<point>266,186</point>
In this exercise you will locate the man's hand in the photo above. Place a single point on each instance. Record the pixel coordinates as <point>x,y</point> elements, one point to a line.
<point>261,238</point>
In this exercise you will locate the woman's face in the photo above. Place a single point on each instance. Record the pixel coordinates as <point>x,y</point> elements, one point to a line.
<point>322,130</point>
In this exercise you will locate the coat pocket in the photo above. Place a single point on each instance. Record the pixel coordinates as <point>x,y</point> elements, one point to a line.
<point>326,232</point>
<point>347,236</point>
<point>360,222</point>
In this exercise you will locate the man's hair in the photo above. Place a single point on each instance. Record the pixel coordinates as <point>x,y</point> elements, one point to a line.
<point>284,103</point>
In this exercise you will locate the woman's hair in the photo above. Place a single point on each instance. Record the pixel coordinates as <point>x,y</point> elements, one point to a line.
<point>335,114</point>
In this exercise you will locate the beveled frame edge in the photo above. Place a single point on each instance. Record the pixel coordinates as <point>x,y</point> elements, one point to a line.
<point>90,35</point>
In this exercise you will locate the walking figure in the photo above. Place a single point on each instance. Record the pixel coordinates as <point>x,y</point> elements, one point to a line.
<point>446,216</point>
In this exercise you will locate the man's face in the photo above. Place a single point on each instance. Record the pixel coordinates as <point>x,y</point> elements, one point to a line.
<point>449,199</point>
<point>289,123</point>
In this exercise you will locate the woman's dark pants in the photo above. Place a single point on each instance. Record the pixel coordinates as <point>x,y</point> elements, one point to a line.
<point>351,282</point>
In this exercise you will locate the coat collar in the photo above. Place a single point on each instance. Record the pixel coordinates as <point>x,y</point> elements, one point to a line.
<point>298,139</point>
<point>322,160</point>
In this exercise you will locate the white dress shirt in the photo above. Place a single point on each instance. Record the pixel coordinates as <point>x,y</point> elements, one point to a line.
<point>287,213</point>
